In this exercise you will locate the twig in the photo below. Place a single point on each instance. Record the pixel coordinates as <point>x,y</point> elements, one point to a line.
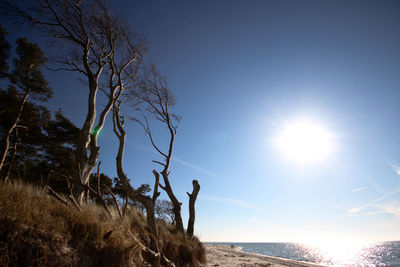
<point>57,196</point>
<point>165,260</point>
<point>70,197</point>
<point>115,200</point>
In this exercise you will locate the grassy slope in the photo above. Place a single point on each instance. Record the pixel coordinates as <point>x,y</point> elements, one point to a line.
<point>38,230</point>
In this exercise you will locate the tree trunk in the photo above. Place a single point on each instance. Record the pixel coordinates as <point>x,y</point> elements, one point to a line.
<point>14,153</point>
<point>6,138</point>
<point>147,202</point>
<point>85,139</point>
<point>151,222</point>
<point>88,149</point>
<point>175,203</point>
<point>192,201</point>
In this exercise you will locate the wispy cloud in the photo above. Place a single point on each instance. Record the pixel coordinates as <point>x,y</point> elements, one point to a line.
<point>180,161</point>
<point>232,201</point>
<point>395,168</point>
<point>387,195</point>
<point>392,208</point>
<point>359,189</point>
<point>197,168</point>
<point>355,210</point>
<point>376,186</point>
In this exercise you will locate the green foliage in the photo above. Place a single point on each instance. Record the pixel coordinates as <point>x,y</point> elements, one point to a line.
<point>27,74</point>
<point>45,146</point>
<point>30,125</point>
<point>4,52</point>
<point>41,151</point>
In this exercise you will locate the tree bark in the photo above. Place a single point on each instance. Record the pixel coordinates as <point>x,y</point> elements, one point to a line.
<point>167,188</point>
<point>192,201</point>
<point>175,203</point>
<point>147,201</point>
<point>84,146</point>
<point>14,153</point>
<point>6,138</point>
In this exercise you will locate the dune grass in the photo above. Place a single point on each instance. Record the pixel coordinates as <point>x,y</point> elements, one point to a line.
<point>38,230</point>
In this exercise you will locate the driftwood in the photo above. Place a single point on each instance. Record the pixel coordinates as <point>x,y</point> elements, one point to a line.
<point>164,260</point>
<point>58,197</point>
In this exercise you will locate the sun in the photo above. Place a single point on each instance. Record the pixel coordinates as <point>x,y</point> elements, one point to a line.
<point>305,142</point>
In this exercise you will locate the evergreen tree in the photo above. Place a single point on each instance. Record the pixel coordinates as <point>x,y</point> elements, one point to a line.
<point>27,79</point>
<point>4,52</point>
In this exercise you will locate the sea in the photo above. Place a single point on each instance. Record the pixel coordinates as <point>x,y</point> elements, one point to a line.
<point>374,254</point>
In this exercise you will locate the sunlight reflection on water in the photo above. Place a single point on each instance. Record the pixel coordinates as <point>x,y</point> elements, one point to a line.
<point>332,254</point>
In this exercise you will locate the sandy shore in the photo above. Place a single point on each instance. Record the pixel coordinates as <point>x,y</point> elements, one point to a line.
<point>222,255</point>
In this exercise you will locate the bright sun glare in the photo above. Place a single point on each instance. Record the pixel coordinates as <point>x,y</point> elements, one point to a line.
<point>305,142</point>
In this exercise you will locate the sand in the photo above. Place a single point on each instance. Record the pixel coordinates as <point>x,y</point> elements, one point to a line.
<point>223,255</point>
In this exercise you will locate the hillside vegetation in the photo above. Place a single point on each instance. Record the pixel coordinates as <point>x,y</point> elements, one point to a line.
<point>38,230</point>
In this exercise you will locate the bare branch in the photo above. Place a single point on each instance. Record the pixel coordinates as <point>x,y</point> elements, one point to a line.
<point>56,195</point>
<point>153,94</point>
<point>115,200</point>
<point>156,194</point>
<point>155,161</point>
<point>147,130</point>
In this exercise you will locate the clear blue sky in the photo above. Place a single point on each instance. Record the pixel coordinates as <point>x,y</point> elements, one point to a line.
<point>240,70</point>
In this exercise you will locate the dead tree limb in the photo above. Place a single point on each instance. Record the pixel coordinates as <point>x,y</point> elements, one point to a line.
<point>56,195</point>
<point>115,200</point>
<point>153,254</point>
<point>92,35</point>
<point>14,153</point>
<point>146,201</point>
<point>153,93</point>
<point>192,201</point>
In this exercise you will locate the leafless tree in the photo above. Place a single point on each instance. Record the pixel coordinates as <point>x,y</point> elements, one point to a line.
<point>192,201</point>
<point>164,210</point>
<point>147,201</point>
<point>92,36</point>
<point>153,93</point>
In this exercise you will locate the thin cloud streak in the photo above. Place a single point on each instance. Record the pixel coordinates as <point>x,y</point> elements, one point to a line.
<point>197,168</point>
<point>182,162</point>
<point>355,210</point>
<point>391,208</point>
<point>381,208</point>
<point>395,168</point>
<point>359,189</point>
<point>232,201</point>
<point>375,185</point>
<point>387,195</point>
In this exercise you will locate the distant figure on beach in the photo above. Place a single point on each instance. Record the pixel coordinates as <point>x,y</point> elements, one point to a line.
<point>232,246</point>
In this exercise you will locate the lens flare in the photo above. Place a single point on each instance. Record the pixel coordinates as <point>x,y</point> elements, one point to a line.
<point>305,142</point>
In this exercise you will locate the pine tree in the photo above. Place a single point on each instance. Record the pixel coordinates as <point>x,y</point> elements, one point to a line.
<point>27,79</point>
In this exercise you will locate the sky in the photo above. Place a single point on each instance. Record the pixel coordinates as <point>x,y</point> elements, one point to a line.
<point>244,71</point>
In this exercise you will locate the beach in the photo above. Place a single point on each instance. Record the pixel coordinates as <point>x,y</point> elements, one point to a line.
<point>224,255</point>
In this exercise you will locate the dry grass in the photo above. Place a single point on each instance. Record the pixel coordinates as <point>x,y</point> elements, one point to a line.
<point>38,230</point>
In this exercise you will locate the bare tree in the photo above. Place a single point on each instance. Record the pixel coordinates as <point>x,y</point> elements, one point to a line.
<point>153,93</point>
<point>91,34</point>
<point>192,201</point>
<point>136,194</point>
<point>164,211</point>
<point>122,73</point>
